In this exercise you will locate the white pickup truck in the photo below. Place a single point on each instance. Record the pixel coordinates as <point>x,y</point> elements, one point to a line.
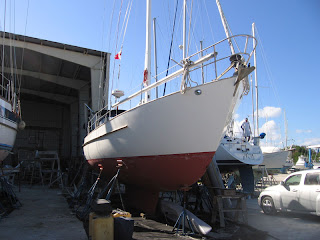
<point>300,191</point>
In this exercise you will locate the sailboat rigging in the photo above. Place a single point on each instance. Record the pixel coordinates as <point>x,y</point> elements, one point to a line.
<point>236,152</point>
<point>273,156</point>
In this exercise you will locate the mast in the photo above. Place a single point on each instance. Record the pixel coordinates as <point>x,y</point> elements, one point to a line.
<point>225,25</point>
<point>147,59</point>
<point>253,115</point>
<point>255,78</point>
<point>4,33</point>
<point>184,29</point>
<point>155,54</point>
<point>286,128</point>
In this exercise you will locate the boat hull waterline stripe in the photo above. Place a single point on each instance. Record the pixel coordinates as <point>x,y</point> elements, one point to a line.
<point>5,147</point>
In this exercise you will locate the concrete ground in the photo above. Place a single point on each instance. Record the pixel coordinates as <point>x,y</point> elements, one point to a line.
<point>148,229</point>
<point>44,215</point>
<point>284,226</point>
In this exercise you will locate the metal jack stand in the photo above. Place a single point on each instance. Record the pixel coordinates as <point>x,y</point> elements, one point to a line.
<point>112,182</point>
<point>183,216</point>
<point>87,206</point>
<point>9,196</point>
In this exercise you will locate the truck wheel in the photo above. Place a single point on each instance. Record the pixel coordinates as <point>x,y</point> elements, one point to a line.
<point>267,206</point>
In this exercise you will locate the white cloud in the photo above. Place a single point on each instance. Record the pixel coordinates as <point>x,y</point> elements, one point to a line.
<point>272,129</point>
<point>273,134</point>
<point>310,141</point>
<point>269,112</point>
<point>236,116</point>
<point>303,131</point>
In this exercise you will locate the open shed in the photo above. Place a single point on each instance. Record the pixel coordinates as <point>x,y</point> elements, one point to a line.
<point>55,81</point>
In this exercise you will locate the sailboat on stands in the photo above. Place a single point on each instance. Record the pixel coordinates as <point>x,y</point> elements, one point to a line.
<point>10,112</point>
<point>168,142</point>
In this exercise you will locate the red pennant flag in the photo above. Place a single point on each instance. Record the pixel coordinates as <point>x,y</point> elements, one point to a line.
<point>118,55</point>
<point>145,77</point>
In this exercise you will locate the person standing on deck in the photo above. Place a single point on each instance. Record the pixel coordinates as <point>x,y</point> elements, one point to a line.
<point>246,129</point>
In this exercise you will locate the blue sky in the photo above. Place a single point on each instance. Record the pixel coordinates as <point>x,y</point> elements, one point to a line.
<point>287,54</point>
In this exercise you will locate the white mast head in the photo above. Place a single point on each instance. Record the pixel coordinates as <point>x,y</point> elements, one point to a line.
<point>147,60</point>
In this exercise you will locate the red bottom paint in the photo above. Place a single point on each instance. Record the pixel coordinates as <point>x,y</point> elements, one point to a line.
<point>147,175</point>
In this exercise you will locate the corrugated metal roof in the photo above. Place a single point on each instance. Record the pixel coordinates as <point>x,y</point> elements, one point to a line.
<point>44,73</point>
<point>52,44</point>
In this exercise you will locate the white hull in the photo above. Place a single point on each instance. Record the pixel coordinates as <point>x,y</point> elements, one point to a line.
<point>174,124</point>
<point>8,130</point>
<point>301,163</point>
<point>236,152</point>
<point>275,160</point>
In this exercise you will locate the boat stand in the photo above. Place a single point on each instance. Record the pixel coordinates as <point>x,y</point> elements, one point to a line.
<point>266,179</point>
<point>87,208</point>
<point>8,195</point>
<point>111,184</point>
<point>183,217</point>
<point>85,211</point>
